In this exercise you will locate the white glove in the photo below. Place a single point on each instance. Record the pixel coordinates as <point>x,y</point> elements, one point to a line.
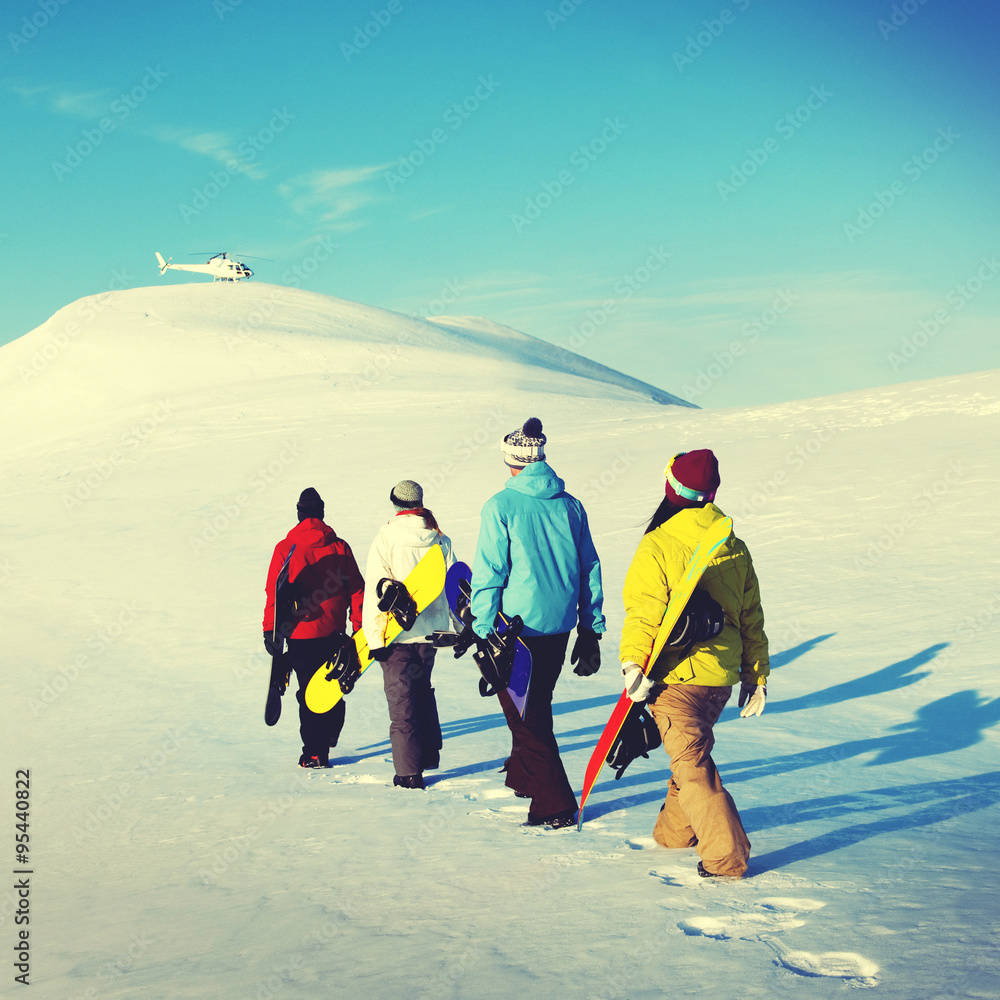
<point>637,684</point>
<point>757,695</point>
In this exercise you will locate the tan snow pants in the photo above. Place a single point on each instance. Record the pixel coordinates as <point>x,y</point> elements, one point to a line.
<point>698,811</point>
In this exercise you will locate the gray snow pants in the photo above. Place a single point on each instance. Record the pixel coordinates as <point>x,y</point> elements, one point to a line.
<point>414,729</point>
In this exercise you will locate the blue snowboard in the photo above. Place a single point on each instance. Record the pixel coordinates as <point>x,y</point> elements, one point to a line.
<point>458,589</point>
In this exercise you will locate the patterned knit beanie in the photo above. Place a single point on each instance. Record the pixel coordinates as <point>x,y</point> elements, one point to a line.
<point>406,495</point>
<point>524,446</point>
<point>310,504</point>
<point>692,478</point>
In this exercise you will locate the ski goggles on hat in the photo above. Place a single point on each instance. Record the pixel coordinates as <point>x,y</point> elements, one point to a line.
<point>679,488</point>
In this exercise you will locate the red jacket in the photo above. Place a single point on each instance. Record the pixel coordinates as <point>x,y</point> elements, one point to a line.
<point>328,583</point>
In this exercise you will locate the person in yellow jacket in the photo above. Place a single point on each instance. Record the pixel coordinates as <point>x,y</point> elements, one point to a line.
<point>688,686</point>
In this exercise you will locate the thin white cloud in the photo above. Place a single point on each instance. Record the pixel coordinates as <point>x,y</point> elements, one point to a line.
<point>332,197</point>
<point>219,146</point>
<point>63,101</point>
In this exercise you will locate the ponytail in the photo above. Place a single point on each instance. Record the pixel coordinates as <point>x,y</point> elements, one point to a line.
<point>663,513</point>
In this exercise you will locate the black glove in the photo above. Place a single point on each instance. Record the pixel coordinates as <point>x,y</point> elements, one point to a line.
<point>467,639</point>
<point>269,643</point>
<point>381,654</point>
<point>586,649</point>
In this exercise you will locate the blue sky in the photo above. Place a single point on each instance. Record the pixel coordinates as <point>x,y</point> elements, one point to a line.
<point>740,202</point>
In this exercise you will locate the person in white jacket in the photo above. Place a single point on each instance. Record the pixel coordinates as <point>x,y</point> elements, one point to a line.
<point>414,729</point>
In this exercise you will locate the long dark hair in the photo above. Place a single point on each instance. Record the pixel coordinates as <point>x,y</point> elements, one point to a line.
<point>430,521</point>
<point>663,513</point>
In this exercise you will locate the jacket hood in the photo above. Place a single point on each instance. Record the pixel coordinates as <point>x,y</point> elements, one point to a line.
<point>411,530</point>
<point>537,480</point>
<point>690,523</point>
<point>312,532</point>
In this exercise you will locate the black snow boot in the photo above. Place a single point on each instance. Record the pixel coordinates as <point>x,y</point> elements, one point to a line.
<point>408,781</point>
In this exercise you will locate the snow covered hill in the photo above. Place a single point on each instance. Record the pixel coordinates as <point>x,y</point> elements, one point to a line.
<point>153,457</point>
<point>122,347</point>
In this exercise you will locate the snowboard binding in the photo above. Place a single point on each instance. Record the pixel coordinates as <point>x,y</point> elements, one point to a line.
<point>701,621</point>
<point>495,658</point>
<point>395,600</point>
<point>343,666</point>
<point>639,734</point>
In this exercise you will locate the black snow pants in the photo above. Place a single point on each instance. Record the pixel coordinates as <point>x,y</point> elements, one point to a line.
<point>534,767</point>
<point>318,732</point>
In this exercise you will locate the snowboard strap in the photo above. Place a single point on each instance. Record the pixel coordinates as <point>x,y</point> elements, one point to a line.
<point>343,665</point>
<point>639,734</point>
<point>701,620</point>
<point>395,599</point>
<point>496,661</point>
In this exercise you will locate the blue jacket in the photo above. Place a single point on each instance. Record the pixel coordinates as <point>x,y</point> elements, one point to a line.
<point>535,558</point>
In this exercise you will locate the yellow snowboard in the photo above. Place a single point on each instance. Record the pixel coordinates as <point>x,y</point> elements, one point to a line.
<point>424,584</point>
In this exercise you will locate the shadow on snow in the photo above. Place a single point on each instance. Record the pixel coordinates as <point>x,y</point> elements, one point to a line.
<point>939,801</point>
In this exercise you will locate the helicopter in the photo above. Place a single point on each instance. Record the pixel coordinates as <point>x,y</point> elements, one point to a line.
<point>220,266</point>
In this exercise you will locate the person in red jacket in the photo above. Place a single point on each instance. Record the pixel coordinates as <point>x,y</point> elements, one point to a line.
<point>328,588</point>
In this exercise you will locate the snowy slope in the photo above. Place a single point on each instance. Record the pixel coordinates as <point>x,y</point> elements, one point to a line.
<point>119,349</point>
<point>179,853</point>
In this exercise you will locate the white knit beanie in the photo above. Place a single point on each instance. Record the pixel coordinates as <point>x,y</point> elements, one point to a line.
<point>524,446</point>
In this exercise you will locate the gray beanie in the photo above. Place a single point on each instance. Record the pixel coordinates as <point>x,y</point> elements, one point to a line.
<point>406,495</point>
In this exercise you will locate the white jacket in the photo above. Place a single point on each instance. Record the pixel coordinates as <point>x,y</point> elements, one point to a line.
<point>397,549</point>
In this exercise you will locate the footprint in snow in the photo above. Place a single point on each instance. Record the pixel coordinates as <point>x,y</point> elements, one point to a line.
<point>760,920</point>
<point>848,965</point>
<point>754,919</point>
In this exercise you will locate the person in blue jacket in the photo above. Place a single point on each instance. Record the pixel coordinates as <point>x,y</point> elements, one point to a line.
<point>535,558</point>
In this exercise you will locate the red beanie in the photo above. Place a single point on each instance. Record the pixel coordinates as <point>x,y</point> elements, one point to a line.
<point>692,478</point>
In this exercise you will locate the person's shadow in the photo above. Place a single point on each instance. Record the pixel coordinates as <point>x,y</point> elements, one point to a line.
<point>931,802</point>
<point>890,678</point>
<point>954,722</point>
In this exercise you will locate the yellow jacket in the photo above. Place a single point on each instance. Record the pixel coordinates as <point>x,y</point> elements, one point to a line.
<point>739,652</point>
